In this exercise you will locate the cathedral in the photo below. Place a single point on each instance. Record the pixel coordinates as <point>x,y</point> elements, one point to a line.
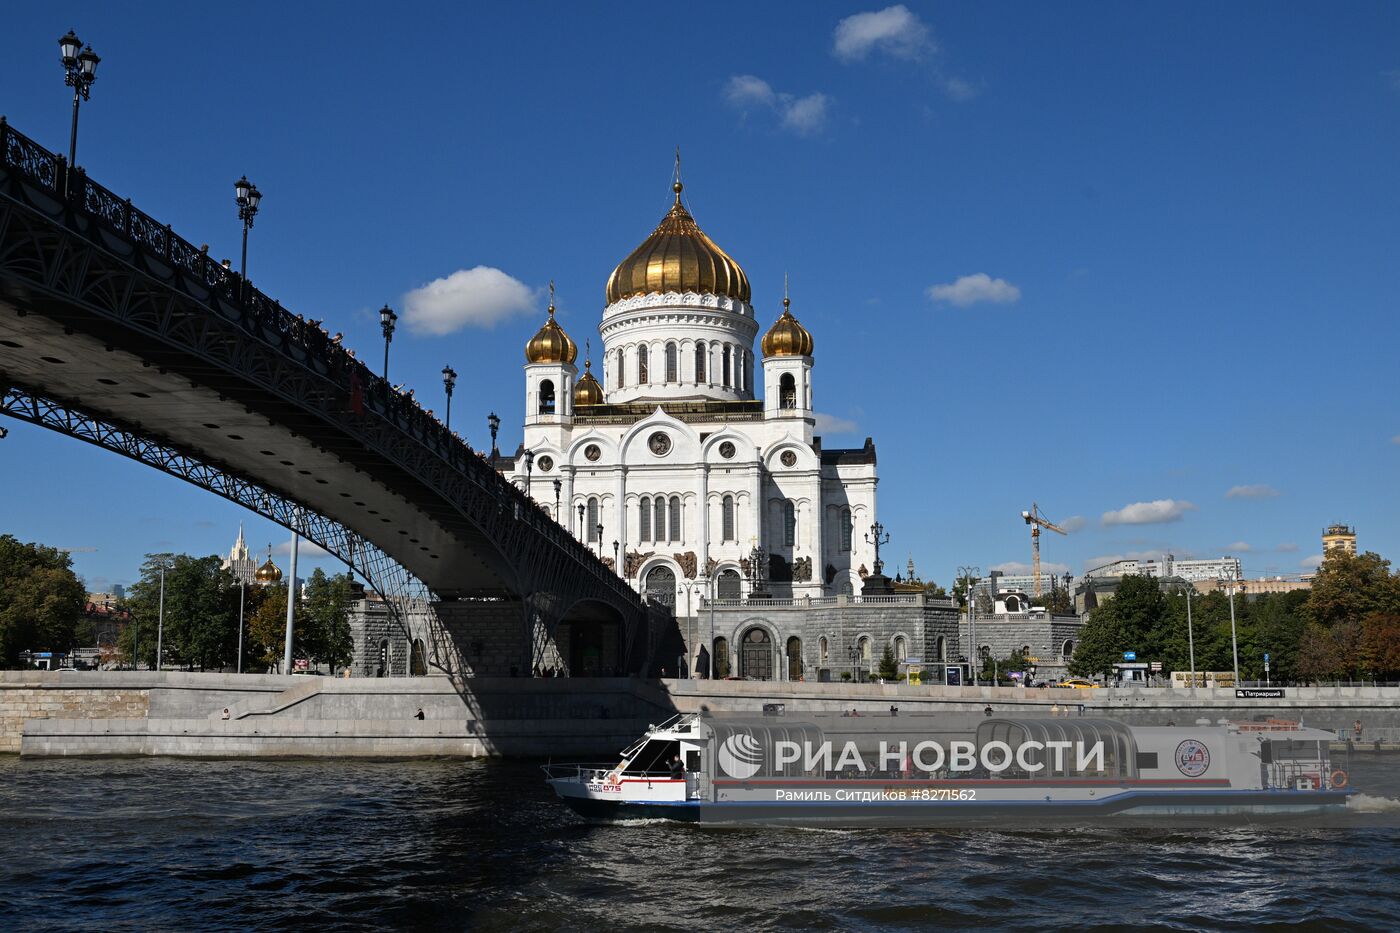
<point>685,474</point>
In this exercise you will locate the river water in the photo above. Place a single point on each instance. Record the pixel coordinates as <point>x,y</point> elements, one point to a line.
<point>173,844</point>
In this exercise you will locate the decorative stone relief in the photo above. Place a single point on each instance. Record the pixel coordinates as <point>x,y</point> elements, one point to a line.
<point>688,562</point>
<point>802,570</point>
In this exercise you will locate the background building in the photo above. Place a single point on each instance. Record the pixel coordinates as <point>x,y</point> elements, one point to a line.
<point>1169,566</point>
<point>1339,537</point>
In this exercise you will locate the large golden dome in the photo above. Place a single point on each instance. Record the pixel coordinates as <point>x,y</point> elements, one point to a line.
<point>678,257</point>
<point>588,392</point>
<point>551,344</point>
<point>787,337</point>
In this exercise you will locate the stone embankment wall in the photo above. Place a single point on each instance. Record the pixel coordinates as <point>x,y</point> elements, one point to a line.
<point>145,713</point>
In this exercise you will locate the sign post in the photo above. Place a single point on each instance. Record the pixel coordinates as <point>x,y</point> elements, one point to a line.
<point>1266,668</point>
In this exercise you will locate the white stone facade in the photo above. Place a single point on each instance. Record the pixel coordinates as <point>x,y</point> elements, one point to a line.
<point>683,466</point>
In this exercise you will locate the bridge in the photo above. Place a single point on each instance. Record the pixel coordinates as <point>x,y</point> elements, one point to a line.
<point>117,331</point>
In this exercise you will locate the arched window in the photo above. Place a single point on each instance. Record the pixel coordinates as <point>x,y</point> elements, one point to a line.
<point>1067,650</point>
<point>721,658</point>
<point>593,519</point>
<point>847,531</point>
<point>621,377</point>
<point>726,519</point>
<point>661,586</point>
<point>985,652</point>
<point>739,381</point>
<point>729,585</point>
<point>726,361</point>
<point>941,649</point>
<point>794,658</point>
<point>672,363</point>
<point>756,655</point>
<point>644,519</point>
<point>789,523</point>
<point>417,660</point>
<point>642,364</point>
<point>700,362</point>
<point>659,514</point>
<point>901,648</point>
<point>822,650</point>
<point>547,397</point>
<point>675,519</point>
<point>787,391</point>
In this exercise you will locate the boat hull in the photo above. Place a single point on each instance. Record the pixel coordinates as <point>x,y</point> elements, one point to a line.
<point>1025,814</point>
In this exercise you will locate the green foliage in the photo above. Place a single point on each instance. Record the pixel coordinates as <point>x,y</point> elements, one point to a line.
<point>201,612</point>
<point>41,599</point>
<point>889,670</point>
<point>325,624</point>
<point>1348,588</point>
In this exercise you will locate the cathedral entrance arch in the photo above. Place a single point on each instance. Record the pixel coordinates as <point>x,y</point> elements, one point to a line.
<point>661,586</point>
<point>728,585</point>
<point>756,655</point>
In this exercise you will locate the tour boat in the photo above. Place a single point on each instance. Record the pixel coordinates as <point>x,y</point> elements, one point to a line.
<point>940,769</point>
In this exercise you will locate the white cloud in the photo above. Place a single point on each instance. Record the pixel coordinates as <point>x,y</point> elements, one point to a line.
<point>306,550</point>
<point>831,424</point>
<point>1288,547</point>
<point>1308,563</point>
<point>478,297</point>
<point>972,289</point>
<point>1395,439</point>
<point>1240,547</point>
<point>959,90</point>
<point>1255,491</point>
<point>894,31</point>
<point>803,115</point>
<point>1156,512</point>
<point>1018,569</point>
<point>1073,523</point>
<point>749,91</point>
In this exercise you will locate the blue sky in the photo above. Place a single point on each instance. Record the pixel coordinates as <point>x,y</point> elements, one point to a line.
<point>1116,259</point>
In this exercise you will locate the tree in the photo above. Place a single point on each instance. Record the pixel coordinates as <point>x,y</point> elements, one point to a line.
<point>267,626</point>
<point>1350,587</point>
<point>324,629</point>
<point>1380,645</point>
<point>1318,657</point>
<point>41,599</point>
<point>1059,601</point>
<point>201,610</point>
<point>1099,646</point>
<point>889,670</point>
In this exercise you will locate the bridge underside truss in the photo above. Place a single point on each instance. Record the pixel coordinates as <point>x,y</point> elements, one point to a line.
<point>406,597</point>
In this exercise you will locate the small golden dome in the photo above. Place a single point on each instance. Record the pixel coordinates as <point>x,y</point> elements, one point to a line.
<point>268,573</point>
<point>678,257</point>
<point>588,392</point>
<point>787,337</point>
<point>551,344</point>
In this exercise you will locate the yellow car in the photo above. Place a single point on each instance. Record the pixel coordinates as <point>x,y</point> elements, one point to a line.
<point>1077,683</point>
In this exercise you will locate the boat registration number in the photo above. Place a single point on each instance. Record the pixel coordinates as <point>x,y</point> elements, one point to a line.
<point>600,787</point>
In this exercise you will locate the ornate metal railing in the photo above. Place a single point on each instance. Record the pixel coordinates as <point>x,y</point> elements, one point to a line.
<point>264,319</point>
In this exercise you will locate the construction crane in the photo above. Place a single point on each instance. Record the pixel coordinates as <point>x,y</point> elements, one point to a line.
<point>1038,521</point>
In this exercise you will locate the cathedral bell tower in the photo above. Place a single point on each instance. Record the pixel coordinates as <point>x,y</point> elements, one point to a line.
<point>550,373</point>
<point>787,367</point>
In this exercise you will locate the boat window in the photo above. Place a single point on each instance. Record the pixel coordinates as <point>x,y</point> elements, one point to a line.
<point>654,758</point>
<point>1146,760</point>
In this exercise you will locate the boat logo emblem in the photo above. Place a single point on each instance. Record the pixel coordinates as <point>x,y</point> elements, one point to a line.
<point>1192,758</point>
<point>740,756</point>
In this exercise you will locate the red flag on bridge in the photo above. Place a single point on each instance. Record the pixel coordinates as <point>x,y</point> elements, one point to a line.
<point>357,393</point>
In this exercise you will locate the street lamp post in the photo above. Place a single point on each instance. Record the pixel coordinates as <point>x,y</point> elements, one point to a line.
<point>599,528</point>
<point>617,545</point>
<point>241,586</point>
<point>969,575</point>
<point>291,604</point>
<point>1228,579</point>
<point>449,379</point>
<point>387,319</point>
<point>79,71</point>
<point>1190,637</point>
<point>529,470</point>
<point>711,672</point>
<point>494,423</point>
<point>580,522</point>
<point>160,618</point>
<point>246,194</point>
<point>878,530</point>
<point>558,486</point>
